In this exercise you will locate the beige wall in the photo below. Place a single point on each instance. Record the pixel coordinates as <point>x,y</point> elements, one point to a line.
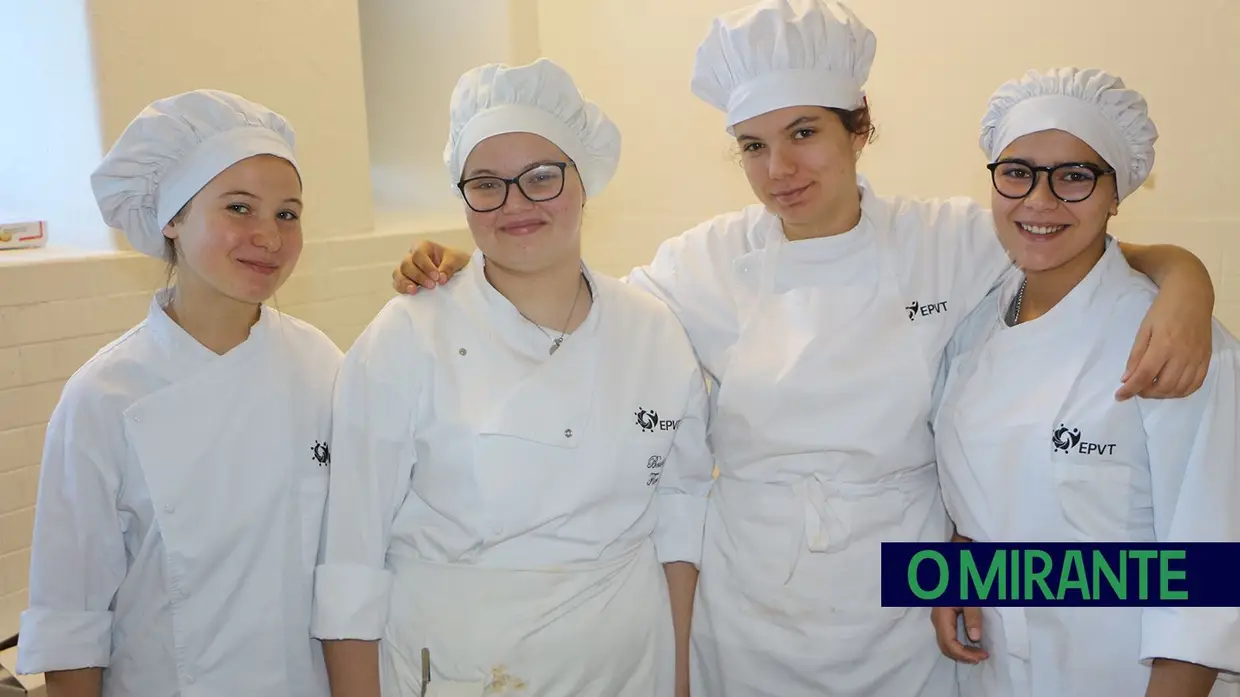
<point>937,64</point>
<point>302,59</point>
<point>414,52</point>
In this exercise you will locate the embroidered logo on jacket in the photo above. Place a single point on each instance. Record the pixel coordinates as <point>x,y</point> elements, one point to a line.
<point>655,465</point>
<point>322,453</point>
<point>916,309</point>
<point>1069,439</point>
<point>649,421</point>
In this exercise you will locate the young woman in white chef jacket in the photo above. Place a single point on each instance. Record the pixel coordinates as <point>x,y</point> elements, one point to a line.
<point>520,460</point>
<point>1028,379</point>
<point>820,315</point>
<point>185,468</point>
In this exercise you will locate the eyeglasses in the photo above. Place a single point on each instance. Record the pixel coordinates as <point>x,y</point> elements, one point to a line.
<point>1071,182</point>
<point>539,183</point>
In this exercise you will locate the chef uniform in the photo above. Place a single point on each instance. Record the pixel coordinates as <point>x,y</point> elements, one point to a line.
<point>824,353</point>
<point>506,507</point>
<point>1033,445</point>
<point>181,491</point>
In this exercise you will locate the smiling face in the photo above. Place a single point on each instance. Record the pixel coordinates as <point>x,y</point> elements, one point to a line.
<point>1040,232</point>
<point>522,235</point>
<point>240,236</point>
<point>801,163</point>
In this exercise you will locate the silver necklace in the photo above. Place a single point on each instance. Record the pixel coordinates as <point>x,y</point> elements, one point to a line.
<point>555,343</point>
<point>1014,313</point>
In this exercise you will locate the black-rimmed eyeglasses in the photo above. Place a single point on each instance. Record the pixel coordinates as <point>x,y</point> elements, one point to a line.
<point>1071,182</point>
<point>539,183</point>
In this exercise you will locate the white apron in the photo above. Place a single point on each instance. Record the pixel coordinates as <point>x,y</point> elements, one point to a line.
<point>822,434</point>
<point>590,630</point>
<point>241,542</point>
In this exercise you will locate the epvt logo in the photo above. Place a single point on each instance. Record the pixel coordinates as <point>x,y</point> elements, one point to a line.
<point>322,453</point>
<point>649,421</point>
<point>916,309</point>
<point>1069,440</point>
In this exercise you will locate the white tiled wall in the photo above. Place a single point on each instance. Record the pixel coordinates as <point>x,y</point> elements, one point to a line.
<point>55,315</point>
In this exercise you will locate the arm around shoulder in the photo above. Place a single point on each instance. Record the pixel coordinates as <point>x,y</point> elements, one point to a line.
<point>1171,352</point>
<point>1167,263</point>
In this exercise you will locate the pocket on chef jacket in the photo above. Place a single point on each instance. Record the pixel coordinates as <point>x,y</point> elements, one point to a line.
<point>312,501</point>
<point>1095,496</point>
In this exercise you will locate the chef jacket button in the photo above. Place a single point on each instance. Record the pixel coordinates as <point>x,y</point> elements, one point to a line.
<point>137,419</point>
<point>170,508</point>
<point>189,679</point>
<point>568,433</point>
<point>462,351</point>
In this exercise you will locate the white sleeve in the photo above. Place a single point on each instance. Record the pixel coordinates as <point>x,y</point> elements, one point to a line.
<point>686,480</point>
<point>77,555</point>
<point>1194,453</point>
<point>377,390</point>
<point>690,275</point>
<point>970,256</point>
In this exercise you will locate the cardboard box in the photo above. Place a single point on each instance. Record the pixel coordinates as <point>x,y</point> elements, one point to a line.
<point>23,235</point>
<point>14,685</point>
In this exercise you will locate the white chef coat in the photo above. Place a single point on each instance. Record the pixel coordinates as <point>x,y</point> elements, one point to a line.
<point>178,514</point>
<point>824,352</point>
<point>1171,473</point>
<point>507,508</point>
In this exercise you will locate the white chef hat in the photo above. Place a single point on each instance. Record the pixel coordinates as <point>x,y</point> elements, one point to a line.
<point>173,148</point>
<point>1090,104</point>
<point>783,53</point>
<point>538,98</point>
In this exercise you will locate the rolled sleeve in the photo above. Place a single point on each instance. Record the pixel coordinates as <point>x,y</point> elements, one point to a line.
<point>59,640</point>
<point>350,602</point>
<point>678,537</point>
<point>372,461</point>
<point>1207,636</point>
<point>1194,452</point>
<point>77,554</point>
<point>685,484</point>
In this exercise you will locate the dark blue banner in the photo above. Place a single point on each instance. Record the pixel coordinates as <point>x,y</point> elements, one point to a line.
<point>1069,574</point>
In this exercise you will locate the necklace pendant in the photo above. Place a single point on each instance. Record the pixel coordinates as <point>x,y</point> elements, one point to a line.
<point>555,346</point>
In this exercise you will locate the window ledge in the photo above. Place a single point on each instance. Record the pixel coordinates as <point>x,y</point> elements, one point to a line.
<point>57,253</point>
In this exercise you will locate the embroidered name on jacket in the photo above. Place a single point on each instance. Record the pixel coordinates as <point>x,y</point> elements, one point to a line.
<point>322,453</point>
<point>655,468</point>
<point>649,422</point>
<point>1068,440</point>
<point>916,309</point>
